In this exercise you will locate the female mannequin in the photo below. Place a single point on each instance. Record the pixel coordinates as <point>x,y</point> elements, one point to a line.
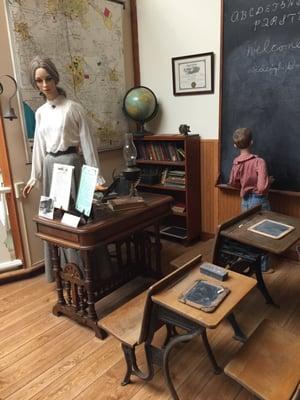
<point>61,127</point>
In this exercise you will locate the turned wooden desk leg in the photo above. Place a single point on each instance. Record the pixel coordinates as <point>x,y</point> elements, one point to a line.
<point>57,269</point>
<point>89,284</point>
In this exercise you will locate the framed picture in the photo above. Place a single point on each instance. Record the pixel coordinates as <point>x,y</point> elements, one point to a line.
<point>193,74</point>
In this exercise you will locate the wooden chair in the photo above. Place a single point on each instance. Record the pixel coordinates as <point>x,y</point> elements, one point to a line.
<point>130,324</point>
<point>268,364</point>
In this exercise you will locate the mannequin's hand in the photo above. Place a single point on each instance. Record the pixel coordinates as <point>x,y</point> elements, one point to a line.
<point>100,188</point>
<point>27,189</point>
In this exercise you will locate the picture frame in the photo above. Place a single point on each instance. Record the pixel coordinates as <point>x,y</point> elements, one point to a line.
<point>193,74</point>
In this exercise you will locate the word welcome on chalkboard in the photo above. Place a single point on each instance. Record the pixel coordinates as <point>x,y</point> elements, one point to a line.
<point>261,85</point>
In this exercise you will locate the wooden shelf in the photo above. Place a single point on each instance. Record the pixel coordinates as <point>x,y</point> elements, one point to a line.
<point>161,187</point>
<point>169,154</point>
<point>161,162</point>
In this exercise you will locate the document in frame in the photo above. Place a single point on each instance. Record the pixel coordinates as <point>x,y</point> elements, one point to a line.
<point>88,180</point>
<point>61,185</point>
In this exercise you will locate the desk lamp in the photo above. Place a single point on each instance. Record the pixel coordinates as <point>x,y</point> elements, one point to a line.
<point>10,113</point>
<point>131,172</point>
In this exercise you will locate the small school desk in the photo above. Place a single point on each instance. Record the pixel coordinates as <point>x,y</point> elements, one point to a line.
<point>169,310</point>
<point>237,229</point>
<point>77,290</point>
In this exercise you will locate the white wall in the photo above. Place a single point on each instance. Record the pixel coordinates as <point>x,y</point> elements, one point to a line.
<point>172,28</point>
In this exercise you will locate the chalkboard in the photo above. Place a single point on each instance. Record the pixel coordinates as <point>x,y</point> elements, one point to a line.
<point>261,85</point>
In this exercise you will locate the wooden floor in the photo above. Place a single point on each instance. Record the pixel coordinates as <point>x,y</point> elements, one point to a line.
<point>47,357</point>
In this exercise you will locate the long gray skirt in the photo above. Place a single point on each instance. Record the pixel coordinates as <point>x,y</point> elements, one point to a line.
<point>101,256</point>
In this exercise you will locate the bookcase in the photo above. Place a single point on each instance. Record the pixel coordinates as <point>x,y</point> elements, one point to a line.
<point>170,164</point>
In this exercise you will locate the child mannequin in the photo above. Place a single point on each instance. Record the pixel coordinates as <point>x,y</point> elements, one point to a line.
<point>249,173</point>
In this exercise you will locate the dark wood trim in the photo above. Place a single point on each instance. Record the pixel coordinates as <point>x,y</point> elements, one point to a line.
<point>286,193</point>
<point>220,84</point>
<point>135,43</point>
<point>206,236</point>
<point>10,197</point>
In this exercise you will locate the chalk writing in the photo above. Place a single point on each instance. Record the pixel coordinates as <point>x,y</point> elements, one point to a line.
<point>252,12</point>
<point>276,21</point>
<point>275,69</point>
<point>268,47</point>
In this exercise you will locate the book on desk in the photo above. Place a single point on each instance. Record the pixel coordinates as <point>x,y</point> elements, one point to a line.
<point>126,203</point>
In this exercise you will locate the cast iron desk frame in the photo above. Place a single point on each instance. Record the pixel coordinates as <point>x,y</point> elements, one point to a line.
<point>237,229</point>
<point>110,229</point>
<point>168,310</point>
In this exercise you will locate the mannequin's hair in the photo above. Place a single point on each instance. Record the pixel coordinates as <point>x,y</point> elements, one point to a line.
<point>48,65</point>
<point>242,138</point>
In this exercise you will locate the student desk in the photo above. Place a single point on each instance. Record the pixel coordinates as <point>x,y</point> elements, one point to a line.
<point>78,290</point>
<point>237,229</point>
<point>168,310</point>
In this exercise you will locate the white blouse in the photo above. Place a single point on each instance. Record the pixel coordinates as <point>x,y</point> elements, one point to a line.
<point>61,123</point>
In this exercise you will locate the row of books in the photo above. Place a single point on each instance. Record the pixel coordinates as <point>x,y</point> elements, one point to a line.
<point>153,175</point>
<point>163,151</point>
<point>173,178</point>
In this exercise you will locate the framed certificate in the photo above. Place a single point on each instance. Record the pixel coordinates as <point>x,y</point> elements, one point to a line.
<point>193,74</point>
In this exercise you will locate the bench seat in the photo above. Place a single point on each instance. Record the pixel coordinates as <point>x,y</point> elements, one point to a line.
<point>125,322</point>
<point>268,365</point>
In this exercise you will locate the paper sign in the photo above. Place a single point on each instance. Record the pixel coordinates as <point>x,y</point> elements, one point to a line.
<point>86,190</point>
<point>61,185</point>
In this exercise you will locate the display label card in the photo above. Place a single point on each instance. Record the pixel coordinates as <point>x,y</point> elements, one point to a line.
<point>70,220</point>
<point>61,185</point>
<point>86,189</point>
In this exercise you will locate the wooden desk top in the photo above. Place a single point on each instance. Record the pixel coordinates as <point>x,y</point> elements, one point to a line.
<point>107,226</point>
<point>239,231</point>
<point>238,284</point>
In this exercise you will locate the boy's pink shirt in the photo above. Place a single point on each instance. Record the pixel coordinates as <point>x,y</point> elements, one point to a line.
<point>249,173</point>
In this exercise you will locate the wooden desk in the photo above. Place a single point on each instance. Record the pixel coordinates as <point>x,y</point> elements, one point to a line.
<point>238,230</point>
<point>78,291</point>
<point>167,309</point>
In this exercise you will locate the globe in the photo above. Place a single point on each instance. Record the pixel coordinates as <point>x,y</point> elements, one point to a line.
<point>140,104</point>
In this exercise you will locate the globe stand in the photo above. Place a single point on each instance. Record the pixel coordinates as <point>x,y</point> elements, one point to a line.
<point>141,131</point>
